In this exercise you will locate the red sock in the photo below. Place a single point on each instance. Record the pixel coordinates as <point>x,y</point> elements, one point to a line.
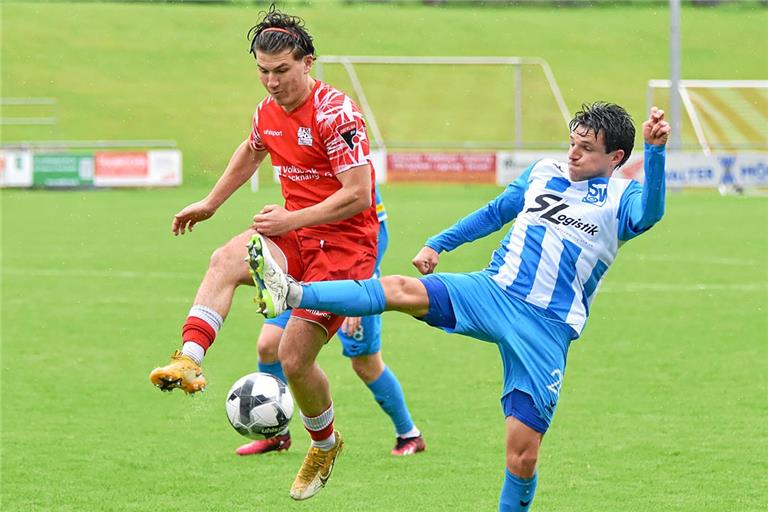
<point>320,427</point>
<point>198,331</point>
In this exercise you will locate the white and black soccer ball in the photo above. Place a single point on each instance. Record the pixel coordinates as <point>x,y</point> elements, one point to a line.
<point>259,405</point>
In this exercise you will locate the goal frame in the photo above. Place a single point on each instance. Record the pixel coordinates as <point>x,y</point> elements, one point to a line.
<point>348,62</point>
<point>684,85</point>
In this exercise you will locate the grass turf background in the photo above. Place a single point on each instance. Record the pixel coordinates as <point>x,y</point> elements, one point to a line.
<point>664,398</point>
<point>663,404</point>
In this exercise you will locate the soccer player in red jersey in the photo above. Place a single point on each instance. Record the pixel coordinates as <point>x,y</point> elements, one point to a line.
<point>316,138</point>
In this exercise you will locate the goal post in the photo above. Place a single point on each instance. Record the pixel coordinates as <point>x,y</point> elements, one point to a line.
<point>726,115</point>
<point>380,85</point>
<point>724,133</point>
<point>462,119</point>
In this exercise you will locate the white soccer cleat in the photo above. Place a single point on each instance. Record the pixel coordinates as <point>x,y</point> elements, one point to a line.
<point>271,282</point>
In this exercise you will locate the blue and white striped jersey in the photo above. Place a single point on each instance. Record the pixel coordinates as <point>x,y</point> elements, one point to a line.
<point>566,234</point>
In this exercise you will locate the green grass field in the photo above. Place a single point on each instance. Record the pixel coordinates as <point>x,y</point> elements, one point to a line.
<point>664,402</point>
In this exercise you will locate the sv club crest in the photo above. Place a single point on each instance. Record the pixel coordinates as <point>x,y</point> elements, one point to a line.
<point>597,193</point>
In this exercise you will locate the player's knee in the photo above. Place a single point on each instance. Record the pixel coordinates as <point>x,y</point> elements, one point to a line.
<point>294,364</point>
<point>395,289</point>
<point>223,258</point>
<point>292,367</point>
<point>367,368</point>
<point>267,348</point>
<point>522,462</point>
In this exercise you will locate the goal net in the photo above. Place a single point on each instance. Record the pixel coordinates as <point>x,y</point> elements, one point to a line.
<point>462,119</point>
<point>721,115</point>
<point>452,102</point>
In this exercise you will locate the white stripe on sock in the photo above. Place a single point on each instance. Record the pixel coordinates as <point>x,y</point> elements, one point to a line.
<point>318,422</point>
<point>208,315</point>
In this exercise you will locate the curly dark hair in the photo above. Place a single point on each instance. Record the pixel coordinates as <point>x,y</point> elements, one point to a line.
<point>277,32</point>
<point>612,120</point>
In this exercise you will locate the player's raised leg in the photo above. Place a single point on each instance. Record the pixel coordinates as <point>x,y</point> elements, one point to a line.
<point>347,297</point>
<point>226,270</point>
<point>299,346</point>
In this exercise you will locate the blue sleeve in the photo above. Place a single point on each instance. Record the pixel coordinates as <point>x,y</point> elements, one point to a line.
<point>488,219</point>
<point>643,206</point>
<point>383,243</point>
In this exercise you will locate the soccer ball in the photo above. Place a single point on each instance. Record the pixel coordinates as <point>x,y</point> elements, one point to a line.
<point>259,406</point>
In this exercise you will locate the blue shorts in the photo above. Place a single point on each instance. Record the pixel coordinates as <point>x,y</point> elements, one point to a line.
<point>363,342</point>
<point>533,343</point>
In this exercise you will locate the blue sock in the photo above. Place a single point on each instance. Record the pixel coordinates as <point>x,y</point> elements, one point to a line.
<point>275,369</point>
<point>348,298</point>
<point>388,393</point>
<point>517,493</point>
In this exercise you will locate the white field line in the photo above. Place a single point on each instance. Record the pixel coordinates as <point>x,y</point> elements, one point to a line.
<point>707,260</point>
<point>106,301</point>
<point>109,274</point>
<point>615,287</point>
<point>684,288</point>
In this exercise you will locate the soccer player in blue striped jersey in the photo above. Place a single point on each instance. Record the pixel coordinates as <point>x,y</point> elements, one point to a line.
<point>361,343</point>
<point>533,299</point>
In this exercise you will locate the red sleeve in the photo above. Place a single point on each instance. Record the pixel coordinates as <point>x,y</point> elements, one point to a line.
<point>255,137</point>
<point>342,128</point>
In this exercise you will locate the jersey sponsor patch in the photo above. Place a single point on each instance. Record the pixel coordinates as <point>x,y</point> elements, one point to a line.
<point>348,132</point>
<point>305,136</point>
<point>550,206</point>
<point>597,193</point>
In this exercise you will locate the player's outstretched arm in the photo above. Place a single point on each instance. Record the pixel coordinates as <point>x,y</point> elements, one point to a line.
<point>641,208</point>
<point>488,219</point>
<point>243,163</point>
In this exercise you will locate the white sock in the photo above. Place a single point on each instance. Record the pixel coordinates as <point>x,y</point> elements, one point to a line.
<point>326,444</point>
<point>294,295</point>
<point>414,432</point>
<point>193,351</point>
<point>213,319</point>
<point>210,316</point>
<point>315,423</point>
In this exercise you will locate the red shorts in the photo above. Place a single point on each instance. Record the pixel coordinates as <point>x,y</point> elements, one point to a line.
<point>310,259</point>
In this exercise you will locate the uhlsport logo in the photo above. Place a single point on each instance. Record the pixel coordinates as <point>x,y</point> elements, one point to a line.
<point>597,193</point>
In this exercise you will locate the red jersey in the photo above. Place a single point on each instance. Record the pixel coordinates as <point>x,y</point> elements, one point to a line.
<point>309,147</point>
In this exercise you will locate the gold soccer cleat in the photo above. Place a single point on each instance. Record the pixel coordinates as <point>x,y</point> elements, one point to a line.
<point>182,372</point>
<point>316,470</point>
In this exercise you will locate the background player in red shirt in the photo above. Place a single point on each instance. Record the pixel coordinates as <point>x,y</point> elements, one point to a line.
<point>317,141</point>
